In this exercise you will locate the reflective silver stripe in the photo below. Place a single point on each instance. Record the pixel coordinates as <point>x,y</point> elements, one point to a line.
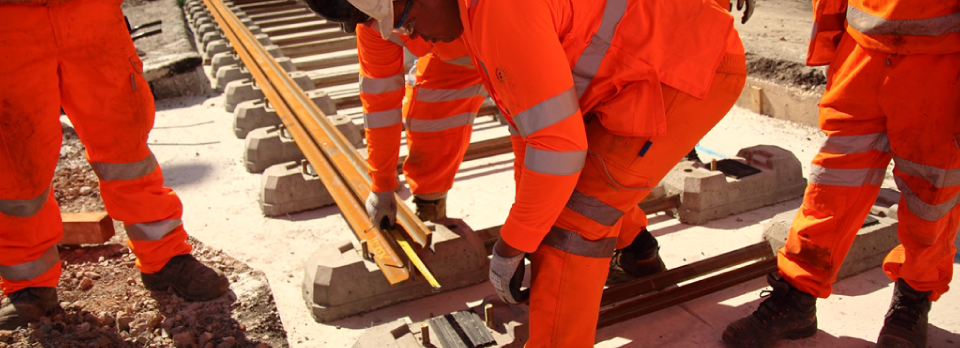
<point>513,130</point>
<point>846,177</point>
<point>462,61</point>
<point>125,171</point>
<point>371,85</point>
<point>553,162</point>
<point>31,269</point>
<point>594,209</point>
<point>924,210</point>
<point>932,26</point>
<point>938,177</point>
<point>851,144</point>
<point>24,207</point>
<point>589,61</point>
<point>547,113</point>
<point>151,230</point>
<point>381,119</point>
<point>431,95</point>
<point>571,242</point>
<point>442,124</point>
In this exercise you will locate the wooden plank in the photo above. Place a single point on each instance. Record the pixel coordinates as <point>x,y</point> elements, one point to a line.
<point>86,228</point>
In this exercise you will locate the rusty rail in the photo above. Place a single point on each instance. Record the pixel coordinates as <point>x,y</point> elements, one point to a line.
<point>339,166</point>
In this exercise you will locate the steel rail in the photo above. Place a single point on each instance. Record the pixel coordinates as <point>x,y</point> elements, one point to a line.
<point>314,132</point>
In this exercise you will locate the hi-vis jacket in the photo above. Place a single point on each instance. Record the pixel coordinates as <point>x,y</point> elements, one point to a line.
<point>891,26</point>
<point>608,58</point>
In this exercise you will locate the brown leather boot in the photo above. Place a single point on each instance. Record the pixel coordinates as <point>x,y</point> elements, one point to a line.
<point>431,210</point>
<point>27,306</point>
<point>640,259</point>
<point>785,313</point>
<point>190,278</point>
<point>905,325</point>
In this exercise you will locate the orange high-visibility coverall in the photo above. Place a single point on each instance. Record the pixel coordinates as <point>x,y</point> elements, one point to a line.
<point>438,110</point>
<point>893,91</point>
<point>77,55</point>
<point>606,97</point>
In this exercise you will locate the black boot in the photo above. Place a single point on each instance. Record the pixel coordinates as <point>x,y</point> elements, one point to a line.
<point>431,210</point>
<point>191,279</point>
<point>785,313</point>
<point>639,259</point>
<point>27,306</point>
<point>905,325</point>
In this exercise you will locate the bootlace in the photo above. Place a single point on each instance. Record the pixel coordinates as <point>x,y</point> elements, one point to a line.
<point>905,314</point>
<point>768,310</point>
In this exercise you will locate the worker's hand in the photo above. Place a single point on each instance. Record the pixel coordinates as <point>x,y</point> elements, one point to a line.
<point>382,209</point>
<point>506,273</point>
<point>748,11</point>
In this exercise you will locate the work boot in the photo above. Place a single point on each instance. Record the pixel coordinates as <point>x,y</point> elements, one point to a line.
<point>639,259</point>
<point>190,278</point>
<point>905,325</point>
<point>785,313</point>
<point>431,210</point>
<point>27,306</point>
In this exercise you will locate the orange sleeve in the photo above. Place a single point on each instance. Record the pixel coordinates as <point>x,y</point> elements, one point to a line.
<point>381,92</point>
<point>520,53</point>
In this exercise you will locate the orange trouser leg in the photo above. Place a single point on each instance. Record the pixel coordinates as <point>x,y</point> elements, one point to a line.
<point>104,93</point>
<point>439,119</point>
<point>30,138</point>
<point>567,286</point>
<point>871,112</point>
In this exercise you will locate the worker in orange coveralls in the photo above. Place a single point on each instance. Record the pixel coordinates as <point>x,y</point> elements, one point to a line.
<point>893,92</point>
<point>605,97</point>
<point>78,54</point>
<point>438,110</point>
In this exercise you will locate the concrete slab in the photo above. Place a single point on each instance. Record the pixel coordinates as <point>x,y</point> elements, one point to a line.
<point>707,195</point>
<point>227,74</point>
<point>339,282</point>
<point>872,243</point>
<point>253,114</point>
<point>243,90</point>
<point>267,146</point>
<point>223,59</point>
<point>291,187</point>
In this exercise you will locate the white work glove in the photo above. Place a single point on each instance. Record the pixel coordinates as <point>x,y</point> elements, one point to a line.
<point>506,275</point>
<point>748,11</point>
<point>382,209</point>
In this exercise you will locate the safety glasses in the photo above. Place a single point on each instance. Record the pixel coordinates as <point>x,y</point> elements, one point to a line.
<point>407,28</point>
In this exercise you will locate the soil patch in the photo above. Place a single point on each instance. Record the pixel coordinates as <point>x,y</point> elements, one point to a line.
<point>104,303</point>
<point>786,72</point>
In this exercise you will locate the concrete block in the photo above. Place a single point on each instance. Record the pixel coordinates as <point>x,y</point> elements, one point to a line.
<point>202,19</point>
<point>220,60</point>
<point>86,228</point>
<point>253,114</point>
<point>206,28</point>
<point>231,73</point>
<point>243,90</point>
<point>291,187</point>
<point>210,36</point>
<point>869,248</point>
<point>707,195</point>
<point>267,146</point>
<point>353,132</point>
<point>339,282</point>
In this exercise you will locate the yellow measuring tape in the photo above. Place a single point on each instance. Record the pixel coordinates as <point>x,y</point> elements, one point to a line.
<point>412,255</point>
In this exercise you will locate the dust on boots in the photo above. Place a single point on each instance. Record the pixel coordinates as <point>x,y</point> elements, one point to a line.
<point>27,306</point>
<point>191,279</point>
<point>786,312</point>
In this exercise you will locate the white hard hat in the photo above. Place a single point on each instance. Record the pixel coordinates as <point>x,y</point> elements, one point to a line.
<point>381,10</point>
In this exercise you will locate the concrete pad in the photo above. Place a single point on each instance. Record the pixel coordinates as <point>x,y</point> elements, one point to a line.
<point>253,114</point>
<point>353,132</point>
<point>870,246</point>
<point>228,74</point>
<point>395,334</point>
<point>267,146</point>
<point>707,195</point>
<point>206,28</point>
<point>223,59</point>
<point>339,282</point>
<point>210,36</point>
<point>243,90</point>
<point>291,187</point>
